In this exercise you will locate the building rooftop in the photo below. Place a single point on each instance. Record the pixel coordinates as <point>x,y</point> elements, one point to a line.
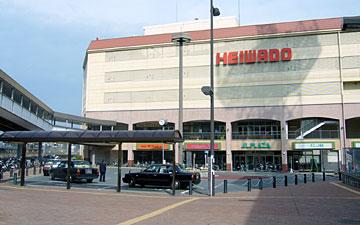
<point>221,33</point>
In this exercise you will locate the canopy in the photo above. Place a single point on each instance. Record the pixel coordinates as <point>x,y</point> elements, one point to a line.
<point>88,136</point>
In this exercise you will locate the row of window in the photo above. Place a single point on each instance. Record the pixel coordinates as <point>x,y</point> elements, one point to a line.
<point>12,93</point>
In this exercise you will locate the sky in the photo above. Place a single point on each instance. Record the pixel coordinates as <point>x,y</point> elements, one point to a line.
<point>43,42</point>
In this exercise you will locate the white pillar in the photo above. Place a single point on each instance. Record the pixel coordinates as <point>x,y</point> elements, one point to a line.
<point>228,146</point>
<point>284,145</point>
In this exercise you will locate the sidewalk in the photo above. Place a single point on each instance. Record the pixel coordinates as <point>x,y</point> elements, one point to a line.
<point>312,204</point>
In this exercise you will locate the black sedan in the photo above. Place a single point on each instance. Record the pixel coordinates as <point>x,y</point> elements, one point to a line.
<point>80,170</point>
<point>161,175</point>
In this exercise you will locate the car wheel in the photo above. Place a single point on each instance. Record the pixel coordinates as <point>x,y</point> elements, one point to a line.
<point>132,183</point>
<point>89,180</point>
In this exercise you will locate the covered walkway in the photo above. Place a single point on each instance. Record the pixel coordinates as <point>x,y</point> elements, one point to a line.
<point>87,137</point>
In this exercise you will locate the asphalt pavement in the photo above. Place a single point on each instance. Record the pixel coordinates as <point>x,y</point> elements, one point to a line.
<point>236,182</point>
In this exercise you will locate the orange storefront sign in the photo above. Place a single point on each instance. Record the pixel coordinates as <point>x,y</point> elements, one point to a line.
<point>151,146</point>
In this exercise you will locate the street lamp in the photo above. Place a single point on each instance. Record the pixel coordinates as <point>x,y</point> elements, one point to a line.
<point>210,91</point>
<point>180,38</point>
<point>163,123</point>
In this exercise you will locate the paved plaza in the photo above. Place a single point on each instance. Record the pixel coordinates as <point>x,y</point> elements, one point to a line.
<point>314,203</point>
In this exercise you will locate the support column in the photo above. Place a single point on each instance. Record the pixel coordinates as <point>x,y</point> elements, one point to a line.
<point>22,164</point>
<point>93,157</point>
<point>40,150</point>
<point>228,146</point>
<point>68,171</point>
<point>284,146</point>
<point>130,148</point>
<point>118,189</point>
<point>18,151</point>
<point>342,149</point>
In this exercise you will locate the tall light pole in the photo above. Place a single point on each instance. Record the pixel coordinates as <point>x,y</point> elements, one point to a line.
<point>180,38</point>
<point>163,123</point>
<point>213,12</point>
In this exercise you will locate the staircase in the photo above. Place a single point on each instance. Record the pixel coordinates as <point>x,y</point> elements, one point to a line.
<point>308,126</point>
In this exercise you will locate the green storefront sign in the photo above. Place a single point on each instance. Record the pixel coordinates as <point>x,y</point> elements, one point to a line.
<point>256,145</point>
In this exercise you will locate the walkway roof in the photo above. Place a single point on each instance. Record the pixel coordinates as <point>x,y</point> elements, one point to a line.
<point>88,136</point>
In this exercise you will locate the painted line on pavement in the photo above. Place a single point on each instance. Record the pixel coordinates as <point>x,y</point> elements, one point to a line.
<point>345,188</point>
<point>74,190</point>
<point>156,212</point>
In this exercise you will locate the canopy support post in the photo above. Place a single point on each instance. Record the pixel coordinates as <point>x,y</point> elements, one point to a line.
<point>68,173</point>
<point>22,164</point>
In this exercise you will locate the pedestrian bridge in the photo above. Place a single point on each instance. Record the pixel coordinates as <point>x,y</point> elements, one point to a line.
<point>20,111</point>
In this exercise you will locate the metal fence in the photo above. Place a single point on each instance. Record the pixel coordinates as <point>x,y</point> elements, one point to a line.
<point>351,179</point>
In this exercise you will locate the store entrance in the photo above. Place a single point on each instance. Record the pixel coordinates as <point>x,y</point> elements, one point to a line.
<point>199,159</point>
<point>256,161</point>
<point>307,161</point>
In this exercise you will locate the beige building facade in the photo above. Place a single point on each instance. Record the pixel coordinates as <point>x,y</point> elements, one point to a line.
<point>286,94</point>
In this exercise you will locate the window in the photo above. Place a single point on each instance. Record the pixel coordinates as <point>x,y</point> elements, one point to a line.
<point>152,169</point>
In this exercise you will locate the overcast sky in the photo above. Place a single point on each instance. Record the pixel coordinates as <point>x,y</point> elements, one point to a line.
<point>43,42</point>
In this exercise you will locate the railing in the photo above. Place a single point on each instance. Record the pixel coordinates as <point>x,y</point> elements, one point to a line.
<point>351,179</point>
<point>257,135</point>
<point>15,108</point>
<point>204,135</point>
<point>316,134</point>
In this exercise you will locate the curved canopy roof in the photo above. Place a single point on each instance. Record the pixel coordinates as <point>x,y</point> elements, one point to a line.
<point>88,136</point>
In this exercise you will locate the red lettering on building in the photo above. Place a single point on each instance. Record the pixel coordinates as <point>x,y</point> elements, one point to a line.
<point>223,58</point>
<point>253,56</point>
<point>250,56</point>
<point>232,58</point>
<point>286,54</point>
<point>263,55</point>
<point>274,55</point>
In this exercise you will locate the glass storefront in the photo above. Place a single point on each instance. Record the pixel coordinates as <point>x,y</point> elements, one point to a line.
<point>149,157</point>
<point>199,159</point>
<point>256,160</point>
<point>307,160</point>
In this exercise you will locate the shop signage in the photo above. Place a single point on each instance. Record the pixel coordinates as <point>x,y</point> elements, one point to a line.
<point>318,145</point>
<point>256,145</point>
<point>201,146</point>
<point>254,56</point>
<point>151,146</point>
<point>356,144</point>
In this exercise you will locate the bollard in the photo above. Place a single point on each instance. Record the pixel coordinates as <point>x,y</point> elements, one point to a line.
<point>296,179</point>
<point>339,175</point>
<point>286,181</point>
<point>225,186</point>
<point>27,171</point>
<point>15,178</point>
<point>249,184</point>
<point>34,171</point>
<point>304,178</point>
<point>190,187</point>
<point>213,183</point>
<point>11,172</point>
<point>323,176</point>
<point>261,184</point>
<point>313,177</point>
<point>274,182</point>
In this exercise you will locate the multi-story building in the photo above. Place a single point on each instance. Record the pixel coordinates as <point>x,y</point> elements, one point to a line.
<point>286,94</point>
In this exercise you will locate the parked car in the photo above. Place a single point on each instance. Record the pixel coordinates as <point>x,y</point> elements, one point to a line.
<point>80,170</point>
<point>51,163</point>
<point>161,175</point>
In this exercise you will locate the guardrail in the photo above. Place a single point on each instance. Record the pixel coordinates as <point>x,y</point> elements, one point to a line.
<point>351,179</point>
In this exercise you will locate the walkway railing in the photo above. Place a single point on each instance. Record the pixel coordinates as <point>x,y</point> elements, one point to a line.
<point>351,179</point>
